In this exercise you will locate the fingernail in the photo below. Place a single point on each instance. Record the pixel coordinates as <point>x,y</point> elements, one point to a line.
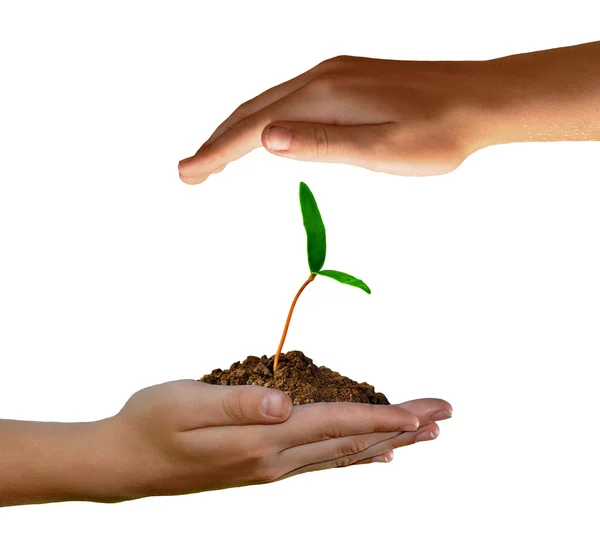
<point>183,162</point>
<point>425,436</point>
<point>443,415</point>
<point>278,138</point>
<point>272,405</point>
<point>410,427</point>
<point>383,458</point>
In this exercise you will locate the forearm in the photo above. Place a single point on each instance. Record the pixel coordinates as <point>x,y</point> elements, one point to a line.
<point>43,462</point>
<point>552,95</point>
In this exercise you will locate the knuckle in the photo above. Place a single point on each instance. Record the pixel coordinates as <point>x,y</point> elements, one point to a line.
<point>181,387</point>
<point>353,446</point>
<point>327,64</point>
<point>324,84</point>
<point>335,61</point>
<point>320,141</point>
<point>344,461</point>
<point>332,431</point>
<point>233,409</point>
<point>244,106</point>
<point>240,110</point>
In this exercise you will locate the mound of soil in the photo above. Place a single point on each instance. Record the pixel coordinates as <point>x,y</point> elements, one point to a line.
<point>299,377</point>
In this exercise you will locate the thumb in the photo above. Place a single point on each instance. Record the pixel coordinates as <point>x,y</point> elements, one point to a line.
<point>220,405</point>
<point>364,145</point>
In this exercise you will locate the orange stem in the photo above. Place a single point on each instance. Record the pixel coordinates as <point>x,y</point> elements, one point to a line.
<point>289,318</point>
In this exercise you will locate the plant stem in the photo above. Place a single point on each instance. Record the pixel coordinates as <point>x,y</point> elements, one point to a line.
<point>289,318</point>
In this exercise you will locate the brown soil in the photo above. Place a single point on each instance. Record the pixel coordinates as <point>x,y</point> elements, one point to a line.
<point>298,377</point>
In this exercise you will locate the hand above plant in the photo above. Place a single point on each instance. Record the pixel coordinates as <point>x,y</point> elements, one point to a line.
<point>412,118</point>
<point>186,436</point>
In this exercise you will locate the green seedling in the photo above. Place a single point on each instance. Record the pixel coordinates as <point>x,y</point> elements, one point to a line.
<point>316,247</point>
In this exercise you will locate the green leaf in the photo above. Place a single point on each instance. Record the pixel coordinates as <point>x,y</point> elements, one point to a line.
<point>316,243</point>
<point>346,279</point>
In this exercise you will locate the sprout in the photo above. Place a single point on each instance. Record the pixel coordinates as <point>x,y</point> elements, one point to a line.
<point>316,247</point>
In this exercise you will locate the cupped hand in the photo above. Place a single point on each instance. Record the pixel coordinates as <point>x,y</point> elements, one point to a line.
<point>187,436</point>
<point>399,117</point>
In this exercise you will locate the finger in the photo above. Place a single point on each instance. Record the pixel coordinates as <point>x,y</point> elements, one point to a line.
<point>428,432</point>
<point>428,409</point>
<point>205,405</point>
<point>385,458</point>
<point>366,145</point>
<point>214,157</point>
<point>425,433</point>
<point>263,100</point>
<point>245,135</point>
<point>320,421</point>
<point>322,451</point>
<point>346,447</point>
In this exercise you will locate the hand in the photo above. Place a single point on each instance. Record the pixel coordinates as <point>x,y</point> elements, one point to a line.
<point>187,436</point>
<point>412,118</point>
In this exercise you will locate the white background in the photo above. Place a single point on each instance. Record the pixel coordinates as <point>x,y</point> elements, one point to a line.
<point>114,275</point>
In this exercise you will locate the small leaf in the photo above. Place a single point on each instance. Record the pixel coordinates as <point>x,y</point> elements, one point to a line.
<point>316,243</point>
<point>346,279</point>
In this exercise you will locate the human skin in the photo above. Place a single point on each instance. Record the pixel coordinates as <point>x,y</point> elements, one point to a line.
<point>187,436</point>
<point>412,118</point>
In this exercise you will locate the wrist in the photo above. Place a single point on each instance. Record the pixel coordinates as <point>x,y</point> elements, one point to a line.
<point>100,464</point>
<point>540,96</point>
<point>43,462</point>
